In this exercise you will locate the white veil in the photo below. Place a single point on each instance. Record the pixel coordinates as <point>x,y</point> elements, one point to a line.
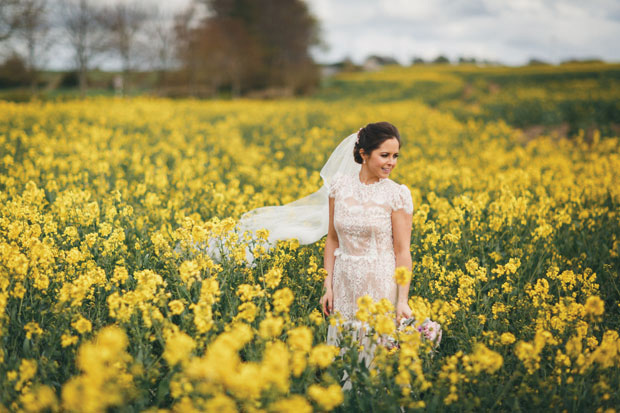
<point>305,219</point>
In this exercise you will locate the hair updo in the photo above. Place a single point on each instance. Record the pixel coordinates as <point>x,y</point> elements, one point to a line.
<point>372,136</point>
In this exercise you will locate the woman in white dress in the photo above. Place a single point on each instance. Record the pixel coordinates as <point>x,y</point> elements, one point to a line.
<point>369,229</point>
<point>367,219</point>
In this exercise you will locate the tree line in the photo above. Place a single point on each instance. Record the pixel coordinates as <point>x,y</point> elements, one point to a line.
<point>238,46</point>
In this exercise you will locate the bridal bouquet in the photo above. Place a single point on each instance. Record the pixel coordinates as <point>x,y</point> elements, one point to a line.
<point>430,331</point>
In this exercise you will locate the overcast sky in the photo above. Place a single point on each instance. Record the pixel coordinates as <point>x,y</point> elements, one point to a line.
<point>509,31</point>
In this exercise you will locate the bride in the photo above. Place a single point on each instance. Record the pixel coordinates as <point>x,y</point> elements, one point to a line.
<point>367,219</point>
<point>369,229</point>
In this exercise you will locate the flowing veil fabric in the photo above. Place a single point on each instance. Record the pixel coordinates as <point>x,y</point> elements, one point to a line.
<point>305,219</point>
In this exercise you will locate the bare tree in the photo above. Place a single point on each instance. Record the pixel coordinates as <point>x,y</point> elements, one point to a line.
<point>186,49</point>
<point>10,12</point>
<point>33,29</point>
<point>124,23</point>
<point>83,26</point>
<point>160,32</point>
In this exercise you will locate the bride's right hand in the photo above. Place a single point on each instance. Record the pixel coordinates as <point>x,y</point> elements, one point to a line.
<point>327,302</point>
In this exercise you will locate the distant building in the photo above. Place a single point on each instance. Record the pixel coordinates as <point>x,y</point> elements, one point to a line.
<point>375,62</point>
<point>333,68</point>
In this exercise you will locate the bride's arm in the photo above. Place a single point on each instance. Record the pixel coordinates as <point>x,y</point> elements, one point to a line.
<point>331,243</point>
<point>401,231</point>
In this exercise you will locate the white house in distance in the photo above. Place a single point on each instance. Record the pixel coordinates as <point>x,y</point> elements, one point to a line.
<point>375,62</point>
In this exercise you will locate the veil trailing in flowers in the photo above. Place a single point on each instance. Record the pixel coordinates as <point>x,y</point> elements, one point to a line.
<point>305,219</point>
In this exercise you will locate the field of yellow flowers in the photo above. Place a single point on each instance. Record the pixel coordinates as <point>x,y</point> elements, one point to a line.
<point>575,96</point>
<point>515,247</point>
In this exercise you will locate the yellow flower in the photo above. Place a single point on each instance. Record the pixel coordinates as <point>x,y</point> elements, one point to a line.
<point>323,355</point>
<point>316,317</point>
<point>221,403</point>
<point>300,339</point>
<point>262,234</point>
<point>507,338</point>
<point>273,277</point>
<point>384,324</point>
<point>594,306</point>
<point>104,380</point>
<point>402,275</point>
<point>27,370</point>
<point>82,325</point>
<point>513,265</point>
<point>11,375</point>
<point>484,359</point>
<point>282,300</point>
<point>245,383</point>
<point>362,315</point>
<point>574,346</point>
<point>32,328</point>
<point>295,403</point>
<point>176,307</point>
<point>105,229</point>
<point>270,327</point>
<point>526,352</point>
<point>189,272</point>
<point>120,275</point>
<point>364,302</point>
<point>178,348</point>
<point>19,290</point>
<point>67,340</point>
<point>246,311</point>
<point>608,353</point>
<point>403,378</point>
<point>327,398</point>
<point>275,367</point>
<point>71,232</point>
<point>248,292</point>
<point>41,398</point>
<point>298,363</point>
<point>382,306</point>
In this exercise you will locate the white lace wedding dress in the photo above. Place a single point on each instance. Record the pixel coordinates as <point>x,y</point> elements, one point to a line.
<point>364,260</point>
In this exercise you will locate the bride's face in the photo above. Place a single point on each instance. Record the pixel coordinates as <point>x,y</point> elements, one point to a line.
<point>383,159</point>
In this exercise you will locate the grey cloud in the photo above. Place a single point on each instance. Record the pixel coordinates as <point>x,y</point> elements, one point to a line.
<point>465,8</point>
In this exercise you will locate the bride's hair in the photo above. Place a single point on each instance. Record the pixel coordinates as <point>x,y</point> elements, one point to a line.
<point>371,136</point>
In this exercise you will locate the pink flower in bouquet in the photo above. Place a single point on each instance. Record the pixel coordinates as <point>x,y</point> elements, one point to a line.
<point>432,331</point>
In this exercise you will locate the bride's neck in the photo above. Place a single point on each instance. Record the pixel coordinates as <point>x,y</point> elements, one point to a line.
<point>366,177</point>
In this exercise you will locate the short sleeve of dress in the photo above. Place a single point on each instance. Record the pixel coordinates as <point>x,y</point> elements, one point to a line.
<point>402,200</point>
<point>334,185</point>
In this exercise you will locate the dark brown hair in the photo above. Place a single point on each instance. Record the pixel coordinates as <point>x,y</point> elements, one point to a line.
<point>371,136</point>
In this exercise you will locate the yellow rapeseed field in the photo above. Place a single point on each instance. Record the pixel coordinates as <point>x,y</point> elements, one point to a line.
<point>515,247</point>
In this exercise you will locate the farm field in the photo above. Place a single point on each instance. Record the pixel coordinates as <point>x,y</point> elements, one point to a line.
<point>515,247</point>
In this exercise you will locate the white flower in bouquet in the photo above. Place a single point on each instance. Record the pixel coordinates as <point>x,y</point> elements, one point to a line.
<point>429,329</point>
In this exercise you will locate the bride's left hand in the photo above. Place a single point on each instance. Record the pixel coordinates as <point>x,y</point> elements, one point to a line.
<point>402,311</point>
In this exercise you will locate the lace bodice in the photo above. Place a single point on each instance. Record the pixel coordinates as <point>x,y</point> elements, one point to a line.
<point>365,260</point>
<point>363,214</point>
